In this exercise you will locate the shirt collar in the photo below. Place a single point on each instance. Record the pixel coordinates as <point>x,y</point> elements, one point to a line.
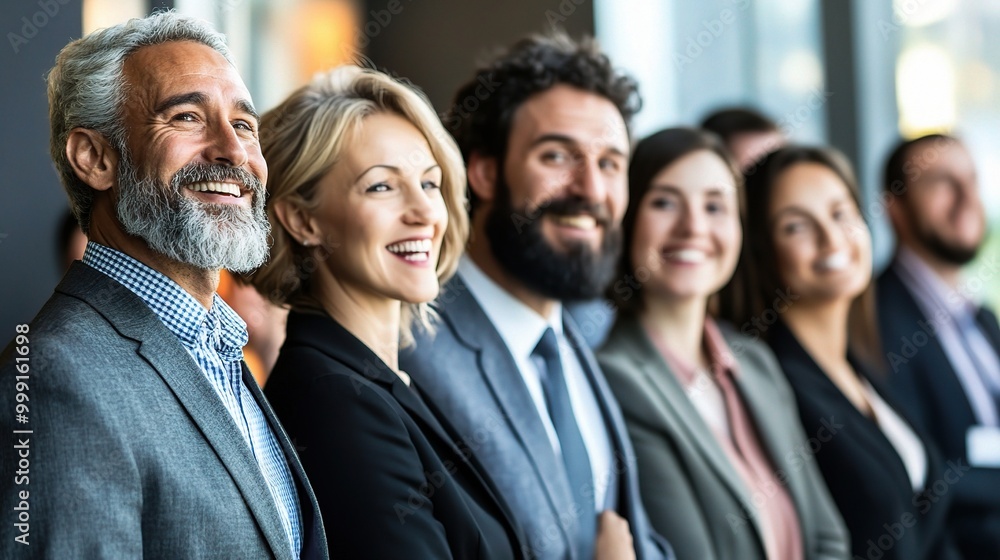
<point>179,311</point>
<point>929,287</point>
<point>720,356</point>
<point>519,326</point>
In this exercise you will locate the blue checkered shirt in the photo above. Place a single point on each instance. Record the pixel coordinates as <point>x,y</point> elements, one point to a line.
<point>215,339</point>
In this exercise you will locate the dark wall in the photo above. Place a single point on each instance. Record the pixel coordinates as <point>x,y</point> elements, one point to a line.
<point>437,43</point>
<point>31,199</point>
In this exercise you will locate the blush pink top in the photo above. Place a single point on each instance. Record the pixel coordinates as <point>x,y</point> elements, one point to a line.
<point>734,430</point>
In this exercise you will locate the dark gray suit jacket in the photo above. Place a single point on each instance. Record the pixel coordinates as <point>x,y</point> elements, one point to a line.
<point>468,376</point>
<point>132,454</point>
<point>925,384</point>
<point>693,494</point>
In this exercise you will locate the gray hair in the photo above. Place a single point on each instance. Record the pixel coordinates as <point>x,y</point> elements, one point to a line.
<point>87,88</point>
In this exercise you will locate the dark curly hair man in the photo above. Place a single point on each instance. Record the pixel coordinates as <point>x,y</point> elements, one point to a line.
<point>544,131</point>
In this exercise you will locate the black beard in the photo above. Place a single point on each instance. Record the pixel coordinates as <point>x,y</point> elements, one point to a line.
<point>948,252</point>
<point>942,249</point>
<point>517,242</point>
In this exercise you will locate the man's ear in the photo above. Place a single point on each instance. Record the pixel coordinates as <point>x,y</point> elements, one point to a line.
<point>92,158</point>
<point>299,223</point>
<point>482,173</point>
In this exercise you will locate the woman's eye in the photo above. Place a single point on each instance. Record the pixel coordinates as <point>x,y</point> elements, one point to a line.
<point>793,228</point>
<point>715,208</point>
<point>555,157</point>
<point>378,187</point>
<point>430,185</point>
<point>663,203</point>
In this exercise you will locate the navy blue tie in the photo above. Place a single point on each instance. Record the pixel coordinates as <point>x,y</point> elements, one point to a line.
<point>574,451</point>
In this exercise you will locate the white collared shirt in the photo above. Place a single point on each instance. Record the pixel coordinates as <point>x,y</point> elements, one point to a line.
<point>521,328</point>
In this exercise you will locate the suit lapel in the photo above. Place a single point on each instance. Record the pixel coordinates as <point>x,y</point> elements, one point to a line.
<point>905,315</point>
<point>990,327</point>
<point>768,426</point>
<point>197,396</point>
<point>313,534</point>
<point>133,319</point>
<point>500,373</point>
<point>682,417</point>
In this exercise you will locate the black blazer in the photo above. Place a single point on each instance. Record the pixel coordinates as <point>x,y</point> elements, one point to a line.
<point>925,383</point>
<point>390,479</point>
<point>862,469</point>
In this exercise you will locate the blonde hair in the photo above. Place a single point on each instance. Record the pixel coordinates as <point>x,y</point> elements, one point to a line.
<point>306,135</point>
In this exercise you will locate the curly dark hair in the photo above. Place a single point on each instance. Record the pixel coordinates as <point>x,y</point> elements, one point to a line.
<point>481,115</point>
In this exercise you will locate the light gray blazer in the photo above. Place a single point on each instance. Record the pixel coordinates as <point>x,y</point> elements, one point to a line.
<point>133,455</point>
<point>468,375</point>
<point>695,498</point>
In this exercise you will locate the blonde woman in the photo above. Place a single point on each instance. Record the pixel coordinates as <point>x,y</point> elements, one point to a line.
<point>366,199</point>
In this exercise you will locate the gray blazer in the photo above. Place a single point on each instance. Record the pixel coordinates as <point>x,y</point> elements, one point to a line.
<point>694,496</point>
<point>468,376</point>
<point>132,454</point>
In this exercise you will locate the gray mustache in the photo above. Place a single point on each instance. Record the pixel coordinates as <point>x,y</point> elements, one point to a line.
<point>201,172</point>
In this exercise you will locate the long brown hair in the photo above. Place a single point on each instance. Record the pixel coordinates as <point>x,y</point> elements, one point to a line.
<point>652,155</point>
<point>757,279</point>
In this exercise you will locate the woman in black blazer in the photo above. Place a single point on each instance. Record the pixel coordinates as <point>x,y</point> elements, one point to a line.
<point>366,201</point>
<point>807,276</point>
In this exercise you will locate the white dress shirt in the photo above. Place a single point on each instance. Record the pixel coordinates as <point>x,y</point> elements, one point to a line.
<point>902,437</point>
<point>521,328</point>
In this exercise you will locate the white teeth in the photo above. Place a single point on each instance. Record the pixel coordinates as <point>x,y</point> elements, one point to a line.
<point>836,261</point>
<point>688,256</point>
<point>582,221</point>
<point>224,188</point>
<point>411,248</point>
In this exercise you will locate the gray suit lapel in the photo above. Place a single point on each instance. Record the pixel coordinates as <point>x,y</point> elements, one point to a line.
<point>500,372</point>
<point>757,398</point>
<point>133,319</point>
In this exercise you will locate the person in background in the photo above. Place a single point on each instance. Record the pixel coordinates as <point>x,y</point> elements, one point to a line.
<point>748,134</point>
<point>546,155</point>
<point>942,347</point>
<point>808,242</point>
<point>152,438</point>
<point>712,418</point>
<point>366,198</point>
